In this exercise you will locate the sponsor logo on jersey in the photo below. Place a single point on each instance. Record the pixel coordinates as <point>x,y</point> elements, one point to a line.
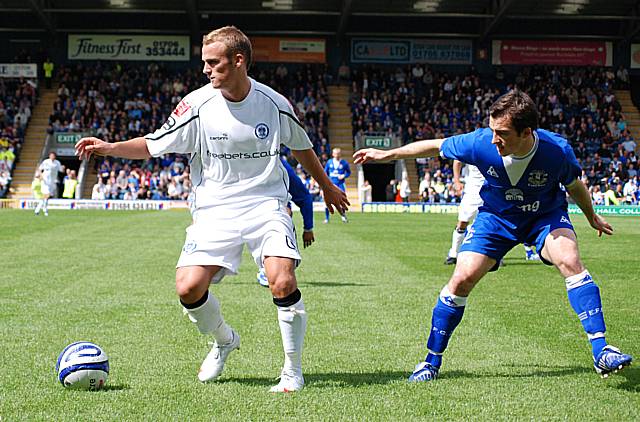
<point>564,219</point>
<point>181,108</point>
<point>262,131</point>
<point>538,178</point>
<point>242,155</point>
<point>514,195</point>
<point>221,137</point>
<point>492,172</point>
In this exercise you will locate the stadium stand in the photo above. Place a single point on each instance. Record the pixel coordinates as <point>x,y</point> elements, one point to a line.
<point>417,102</point>
<point>17,99</point>
<point>118,102</point>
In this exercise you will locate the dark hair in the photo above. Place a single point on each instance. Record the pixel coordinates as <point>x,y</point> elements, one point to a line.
<point>520,109</point>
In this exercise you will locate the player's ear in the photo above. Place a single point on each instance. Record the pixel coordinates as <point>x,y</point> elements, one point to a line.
<point>238,60</point>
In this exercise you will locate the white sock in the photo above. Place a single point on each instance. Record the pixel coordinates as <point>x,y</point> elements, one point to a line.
<point>456,241</point>
<point>293,324</point>
<point>39,206</point>
<point>208,319</point>
<point>45,205</point>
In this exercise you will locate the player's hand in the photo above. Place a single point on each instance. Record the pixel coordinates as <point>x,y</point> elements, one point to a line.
<point>335,198</point>
<point>600,224</point>
<point>366,155</point>
<point>87,146</point>
<point>459,187</point>
<point>308,238</point>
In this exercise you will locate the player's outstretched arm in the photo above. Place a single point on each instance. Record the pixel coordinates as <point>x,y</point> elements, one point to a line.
<point>580,194</point>
<point>333,197</point>
<point>134,149</point>
<point>426,148</point>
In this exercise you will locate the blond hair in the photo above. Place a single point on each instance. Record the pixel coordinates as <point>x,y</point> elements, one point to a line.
<point>234,39</point>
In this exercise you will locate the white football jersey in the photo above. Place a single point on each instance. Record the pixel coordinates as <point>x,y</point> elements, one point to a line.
<point>50,169</point>
<point>234,146</point>
<point>473,179</point>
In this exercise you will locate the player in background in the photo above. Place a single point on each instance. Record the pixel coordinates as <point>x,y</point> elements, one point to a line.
<point>468,210</point>
<point>302,198</point>
<point>232,128</point>
<point>522,202</point>
<point>49,170</point>
<point>338,170</point>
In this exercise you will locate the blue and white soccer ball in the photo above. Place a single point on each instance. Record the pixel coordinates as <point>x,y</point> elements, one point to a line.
<point>83,365</point>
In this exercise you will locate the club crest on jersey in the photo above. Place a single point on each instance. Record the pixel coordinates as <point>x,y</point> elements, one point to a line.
<point>262,131</point>
<point>181,108</point>
<point>492,172</point>
<point>189,247</point>
<point>514,195</point>
<point>538,178</point>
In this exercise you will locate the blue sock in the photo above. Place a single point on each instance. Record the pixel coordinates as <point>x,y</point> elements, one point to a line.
<point>326,214</point>
<point>584,297</point>
<point>447,314</point>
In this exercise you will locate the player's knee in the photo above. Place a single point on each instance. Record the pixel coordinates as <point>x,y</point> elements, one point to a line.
<point>282,284</point>
<point>462,282</point>
<point>187,288</point>
<point>569,265</point>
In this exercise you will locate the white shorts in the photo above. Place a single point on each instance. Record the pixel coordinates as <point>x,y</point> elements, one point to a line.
<point>48,189</point>
<point>469,205</point>
<point>218,239</point>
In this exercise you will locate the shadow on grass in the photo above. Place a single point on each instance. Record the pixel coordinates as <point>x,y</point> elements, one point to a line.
<point>337,379</point>
<point>116,387</point>
<point>331,284</point>
<point>332,380</point>
<point>519,371</point>
<point>632,379</point>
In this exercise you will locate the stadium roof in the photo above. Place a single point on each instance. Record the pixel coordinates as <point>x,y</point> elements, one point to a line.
<point>477,19</point>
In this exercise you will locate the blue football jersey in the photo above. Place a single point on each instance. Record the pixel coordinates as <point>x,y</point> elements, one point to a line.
<point>537,191</point>
<point>334,171</point>
<point>300,196</point>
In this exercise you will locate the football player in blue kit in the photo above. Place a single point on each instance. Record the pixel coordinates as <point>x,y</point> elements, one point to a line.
<point>338,170</point>
<point>524,168</point>
<point>302,198</point>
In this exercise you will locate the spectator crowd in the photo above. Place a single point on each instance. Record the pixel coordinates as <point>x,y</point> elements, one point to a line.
<point>420,102</point>
<point>17,98</point>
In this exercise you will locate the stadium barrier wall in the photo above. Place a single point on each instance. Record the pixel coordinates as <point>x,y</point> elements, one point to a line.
<point>88,204</point>
<point>426,208</point>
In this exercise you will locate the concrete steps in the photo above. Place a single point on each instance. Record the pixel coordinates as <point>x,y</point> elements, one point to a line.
<point>34,140</point>
<point>340,136</point>
<point>631,114</point>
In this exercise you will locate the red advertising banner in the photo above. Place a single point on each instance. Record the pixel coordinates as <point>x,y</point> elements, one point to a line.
<point>290,50</point>
<point>560,53</point>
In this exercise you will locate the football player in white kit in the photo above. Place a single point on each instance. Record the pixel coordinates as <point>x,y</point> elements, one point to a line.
<point>468,210</point>
<point>49,169</point>
<point>233,128</point>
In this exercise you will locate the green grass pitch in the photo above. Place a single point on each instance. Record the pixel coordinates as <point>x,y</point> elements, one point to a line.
<point>369,286</point>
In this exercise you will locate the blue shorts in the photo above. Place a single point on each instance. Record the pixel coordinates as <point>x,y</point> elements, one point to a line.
<point>494,236</point>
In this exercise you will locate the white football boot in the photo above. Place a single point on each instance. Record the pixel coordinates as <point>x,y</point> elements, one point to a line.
<point>290,382</point>
<point>213,364</point>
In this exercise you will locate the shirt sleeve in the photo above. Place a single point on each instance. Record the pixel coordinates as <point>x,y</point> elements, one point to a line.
<point>460,147</point>
<point>179,134</point>
<point>293,134</point>
<point>301,197</point>
<point>570,170</point>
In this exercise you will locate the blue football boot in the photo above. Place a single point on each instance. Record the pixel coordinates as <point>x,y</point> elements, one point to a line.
<point>424,372</point>
<point>610,360</point>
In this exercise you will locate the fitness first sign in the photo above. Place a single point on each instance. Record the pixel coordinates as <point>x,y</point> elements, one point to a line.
<point>128,47</point>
